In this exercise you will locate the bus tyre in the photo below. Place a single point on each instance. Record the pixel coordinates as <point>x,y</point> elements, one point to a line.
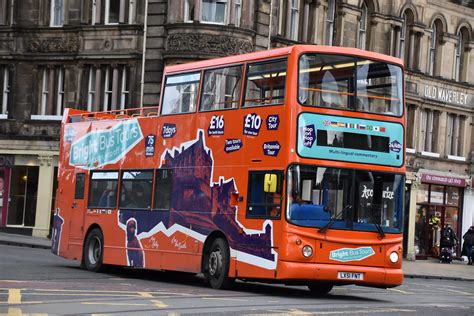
<point>217,265</point>
<point>94,250</point>
<point>320,288</point>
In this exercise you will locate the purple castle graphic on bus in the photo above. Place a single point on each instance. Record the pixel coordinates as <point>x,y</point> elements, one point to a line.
<point>200,206</point>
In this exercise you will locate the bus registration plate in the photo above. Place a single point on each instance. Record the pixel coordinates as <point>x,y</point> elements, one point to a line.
<point>350,276</point>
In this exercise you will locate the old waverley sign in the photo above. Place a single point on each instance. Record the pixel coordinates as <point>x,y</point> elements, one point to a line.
<point>102,147</point>
<point>447,95</point>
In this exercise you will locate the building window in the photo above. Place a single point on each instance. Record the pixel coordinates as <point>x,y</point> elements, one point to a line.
<point>410,141</point>
<point>5,89</point>
<point>408,42</point>
<point>6,12</point>
<point>294,20</point>
<point>429,130</point>
<point>57,13</point>
<point>455,126</point>
<point>402,40</point>
<point>238,12</point>
<point>52,93</point>
<point>435,55</point>
<point>330,20</point>
<point>107,88</point>
<point>363,26</point>
<point>460,67</point>
<point>113,11</point>
<point>214,11</point>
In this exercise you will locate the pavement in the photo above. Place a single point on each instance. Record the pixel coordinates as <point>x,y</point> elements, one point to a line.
<point>419,269</point>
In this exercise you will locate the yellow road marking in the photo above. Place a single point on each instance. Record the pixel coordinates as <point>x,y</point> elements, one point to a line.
<point>400,291</point>
<point>223,299</point>
<point>459,292</point>
<point>14,312</point>
<point>145,294</point>
<point>14,296</point>
<point>159,304</point>
<point>115,304</point>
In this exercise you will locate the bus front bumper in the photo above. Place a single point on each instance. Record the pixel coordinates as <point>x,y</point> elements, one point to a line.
<point>371,276</point>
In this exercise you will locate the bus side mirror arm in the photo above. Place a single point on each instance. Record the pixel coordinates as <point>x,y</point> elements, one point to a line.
<point>235,198</point>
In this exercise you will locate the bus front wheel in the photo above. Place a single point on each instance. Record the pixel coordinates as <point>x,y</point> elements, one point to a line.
<point>320,288</point>
<point>217,265</point>
<point>94,250</point>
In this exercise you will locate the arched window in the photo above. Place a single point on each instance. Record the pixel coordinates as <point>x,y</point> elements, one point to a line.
<point>330,20</point>
<point>460,60</point>
<point>363,26</point>
<point>435,43</point>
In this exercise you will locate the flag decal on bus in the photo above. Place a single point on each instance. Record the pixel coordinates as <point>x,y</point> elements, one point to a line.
<point>99,148</point>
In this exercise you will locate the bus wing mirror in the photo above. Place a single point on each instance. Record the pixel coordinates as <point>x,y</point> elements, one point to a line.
<point>235,198</point>
<point>270,183</point>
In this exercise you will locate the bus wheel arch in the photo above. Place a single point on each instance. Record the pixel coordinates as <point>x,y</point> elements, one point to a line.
<point>93,249</point>
<point>216,261</point>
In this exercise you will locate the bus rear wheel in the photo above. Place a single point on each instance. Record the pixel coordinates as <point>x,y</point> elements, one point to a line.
<point>94,250</point>
<point>217,265</point>
<point>320,288</point>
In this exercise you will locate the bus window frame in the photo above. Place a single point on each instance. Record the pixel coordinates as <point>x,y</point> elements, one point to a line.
<point>280,190</point>
<point>201,90</point>
<point>163,88</point>
<point>90,188</point>
<point>264,61</point>
<point>352,108</point>
<point>155,171</point>
<point>119,195</point>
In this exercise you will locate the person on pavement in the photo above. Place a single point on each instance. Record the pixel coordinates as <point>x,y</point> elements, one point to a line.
<point>469,244</point>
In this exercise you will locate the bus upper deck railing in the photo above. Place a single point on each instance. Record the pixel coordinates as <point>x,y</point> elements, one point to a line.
<point>122,114</point>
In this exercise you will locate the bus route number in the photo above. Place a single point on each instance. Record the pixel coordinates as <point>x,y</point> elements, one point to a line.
<point>252,124</point>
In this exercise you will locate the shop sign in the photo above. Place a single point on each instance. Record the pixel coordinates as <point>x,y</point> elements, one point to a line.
<point>7,160</point>
<point>446,95</point>
<point>443,180</point>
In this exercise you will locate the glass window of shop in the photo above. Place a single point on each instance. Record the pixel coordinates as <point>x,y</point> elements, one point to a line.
<point>23,195</point>
<point>438,206</point>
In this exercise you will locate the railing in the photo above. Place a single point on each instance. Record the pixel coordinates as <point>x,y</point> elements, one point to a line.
<point>115,114</point>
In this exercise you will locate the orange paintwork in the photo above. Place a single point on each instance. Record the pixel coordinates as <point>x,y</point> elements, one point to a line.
<point>162,251</point>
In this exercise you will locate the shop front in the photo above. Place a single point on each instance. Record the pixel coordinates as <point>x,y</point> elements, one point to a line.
<point>27,186</point>
<point>439,204</point>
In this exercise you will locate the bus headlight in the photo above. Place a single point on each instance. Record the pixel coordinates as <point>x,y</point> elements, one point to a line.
<point>394,257</point>
<point>307,251</point>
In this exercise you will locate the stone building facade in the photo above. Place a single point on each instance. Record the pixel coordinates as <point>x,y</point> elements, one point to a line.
<point>105,54</point>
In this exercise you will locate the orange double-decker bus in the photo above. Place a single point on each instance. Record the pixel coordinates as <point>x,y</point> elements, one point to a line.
<point>285,165</point>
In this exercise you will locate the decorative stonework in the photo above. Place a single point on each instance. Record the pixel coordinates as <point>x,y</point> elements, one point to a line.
<point>206,43</point>
<point>52,45</point>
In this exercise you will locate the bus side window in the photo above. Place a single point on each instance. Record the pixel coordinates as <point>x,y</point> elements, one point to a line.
<point>261,204</point>
<point>103,189</point>
<point>221,88</point>
<point>163,185</point>
<point>79,192</point>
<point>265,83</point>
<point>181,93</point>
<point>135,189</point>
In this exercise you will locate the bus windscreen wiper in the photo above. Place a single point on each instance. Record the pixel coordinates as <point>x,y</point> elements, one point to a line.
<point>380,230</point>
<point>333,219</point>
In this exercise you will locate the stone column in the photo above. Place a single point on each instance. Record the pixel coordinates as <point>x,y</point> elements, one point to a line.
<point>45,191</point>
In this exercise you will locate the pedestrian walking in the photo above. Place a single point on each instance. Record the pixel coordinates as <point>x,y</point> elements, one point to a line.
<point>468,244</point>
